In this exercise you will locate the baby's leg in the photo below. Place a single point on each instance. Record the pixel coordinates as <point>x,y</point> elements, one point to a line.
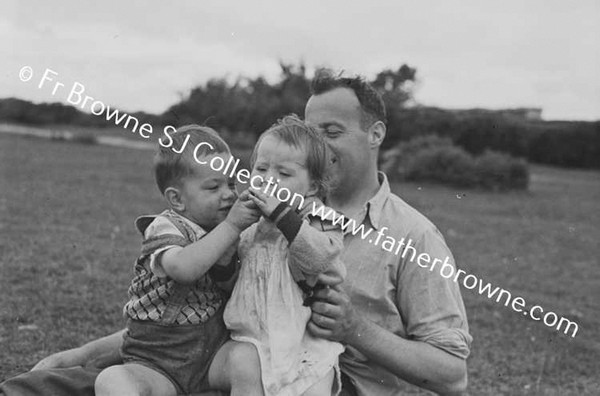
<point>323,387</point>
<point>132,379</point>
<point>236,367</point>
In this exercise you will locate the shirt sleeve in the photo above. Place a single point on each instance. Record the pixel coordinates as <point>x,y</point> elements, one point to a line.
<point>431,304</point>
<point>160,236</point>
<point>316,249</point>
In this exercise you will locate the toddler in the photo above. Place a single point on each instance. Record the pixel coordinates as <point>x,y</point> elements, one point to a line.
<point>175,311</point>
<point>281,257</point>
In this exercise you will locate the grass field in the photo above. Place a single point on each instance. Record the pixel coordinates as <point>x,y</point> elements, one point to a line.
<point>67,245</point>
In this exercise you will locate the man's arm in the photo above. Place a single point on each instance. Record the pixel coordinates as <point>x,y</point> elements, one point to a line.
<point>417,362</point>
<point>102,352</point>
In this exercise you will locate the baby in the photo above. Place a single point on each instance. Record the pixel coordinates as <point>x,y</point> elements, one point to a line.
<point>175,311</point>
<point>281,257</point>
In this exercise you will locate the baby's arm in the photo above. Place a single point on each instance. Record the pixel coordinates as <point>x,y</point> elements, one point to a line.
<point>316,248</point>
<point>315,245</point>
<point>187,264</point>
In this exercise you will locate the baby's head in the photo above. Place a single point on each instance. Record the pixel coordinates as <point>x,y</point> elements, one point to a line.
<point>192,189</point>
<point>295,156</point>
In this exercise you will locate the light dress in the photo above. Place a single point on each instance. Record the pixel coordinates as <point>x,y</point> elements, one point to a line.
<point>265,308</point>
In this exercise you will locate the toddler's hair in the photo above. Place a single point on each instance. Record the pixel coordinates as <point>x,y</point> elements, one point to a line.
<point>296,133</point>
<point>170,167</point>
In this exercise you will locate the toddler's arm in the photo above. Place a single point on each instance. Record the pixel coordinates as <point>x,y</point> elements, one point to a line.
<point>315,245</point>
<point>188,264</point>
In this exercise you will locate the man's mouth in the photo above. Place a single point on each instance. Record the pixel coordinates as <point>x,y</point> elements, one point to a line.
<point>225,209</point>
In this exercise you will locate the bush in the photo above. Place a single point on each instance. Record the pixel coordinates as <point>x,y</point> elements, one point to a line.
<point>444,164</point>
<point>395,160</point>
<point>499,171</point>
<point>435,159</point>
<point>84,138</point>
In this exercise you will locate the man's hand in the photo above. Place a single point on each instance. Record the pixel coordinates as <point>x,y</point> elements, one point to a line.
<point>69,358</point>
<point>417,362</point>
<point>333,315</point>
<point>264,202</point>
<point>100,353</point>
<point>243,213</point>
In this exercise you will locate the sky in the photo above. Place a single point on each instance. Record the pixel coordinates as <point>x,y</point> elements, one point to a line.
<point>147,55</point>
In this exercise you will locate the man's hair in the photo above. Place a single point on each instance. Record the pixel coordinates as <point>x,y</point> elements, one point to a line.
<point>296,133</point>
<point>170,167</point>
<point>371,104</point>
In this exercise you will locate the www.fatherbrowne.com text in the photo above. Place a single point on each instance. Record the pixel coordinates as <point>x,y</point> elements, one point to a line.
<point>400,247</point>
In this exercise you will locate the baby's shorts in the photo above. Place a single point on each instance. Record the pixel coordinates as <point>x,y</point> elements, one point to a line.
<point>182,353</point>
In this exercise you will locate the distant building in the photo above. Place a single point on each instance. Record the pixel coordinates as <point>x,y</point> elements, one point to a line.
<point>527,113</point>
<point>521,113</point>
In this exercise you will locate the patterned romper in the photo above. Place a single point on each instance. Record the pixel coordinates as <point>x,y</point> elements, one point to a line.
<point>172,328</point>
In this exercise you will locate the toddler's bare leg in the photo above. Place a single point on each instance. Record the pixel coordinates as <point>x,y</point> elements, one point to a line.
<point>323,387</point>
<point>133,380</point>
<point>236,367</point>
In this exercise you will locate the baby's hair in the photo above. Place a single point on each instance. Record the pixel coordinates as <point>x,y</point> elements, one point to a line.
<point>296,133</point>
<point>170,167</point>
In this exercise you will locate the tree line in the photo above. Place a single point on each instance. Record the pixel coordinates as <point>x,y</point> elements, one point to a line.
<point>251,105</point>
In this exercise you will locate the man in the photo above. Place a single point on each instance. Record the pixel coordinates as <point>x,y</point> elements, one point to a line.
<point>399,322</point>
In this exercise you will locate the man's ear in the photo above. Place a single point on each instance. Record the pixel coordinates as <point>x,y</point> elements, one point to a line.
<point>173,196</point>
<point>376,134</point>
<point>314,188</point>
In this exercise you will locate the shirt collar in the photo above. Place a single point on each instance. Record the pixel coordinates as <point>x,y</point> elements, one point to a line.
<point>199,232</point>
<point>376,203</point>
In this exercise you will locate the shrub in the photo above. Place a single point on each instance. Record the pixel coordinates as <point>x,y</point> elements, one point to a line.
<point>84,138</point>
<point>499,171</point>
<point>431,158</point>
<point>395,160</point>
<point>443,164</point>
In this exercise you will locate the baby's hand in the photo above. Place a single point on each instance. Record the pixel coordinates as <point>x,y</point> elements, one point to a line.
<point>243,213</point>
<point>264,202</point>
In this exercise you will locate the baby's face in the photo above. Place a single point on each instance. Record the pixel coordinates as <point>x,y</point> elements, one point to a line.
<point>208,195</point>
<point>285,164</point>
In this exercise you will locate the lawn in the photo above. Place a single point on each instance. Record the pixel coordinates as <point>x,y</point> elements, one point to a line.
<point>67,245</point>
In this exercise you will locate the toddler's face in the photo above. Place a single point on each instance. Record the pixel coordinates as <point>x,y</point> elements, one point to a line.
<point>207,195</point>
<point>285,164</point>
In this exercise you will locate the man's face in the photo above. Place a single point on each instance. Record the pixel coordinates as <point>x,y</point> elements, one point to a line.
<point>337,115</point>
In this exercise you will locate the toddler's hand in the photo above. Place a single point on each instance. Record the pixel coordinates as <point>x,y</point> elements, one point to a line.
<point>243,213</point>
<point>264,202</point>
